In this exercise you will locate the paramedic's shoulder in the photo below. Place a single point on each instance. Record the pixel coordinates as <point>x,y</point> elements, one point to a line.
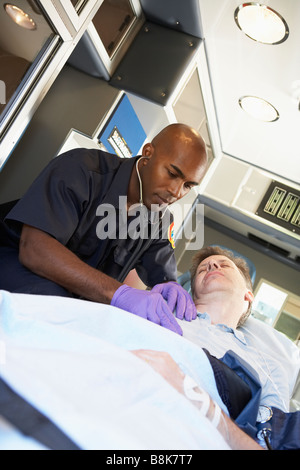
<point>93,160</point>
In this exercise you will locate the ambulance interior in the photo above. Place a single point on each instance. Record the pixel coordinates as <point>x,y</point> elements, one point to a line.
<point>110,74</point>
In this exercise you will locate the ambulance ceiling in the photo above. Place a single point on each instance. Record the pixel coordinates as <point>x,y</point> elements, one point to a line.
<point>239,67</point>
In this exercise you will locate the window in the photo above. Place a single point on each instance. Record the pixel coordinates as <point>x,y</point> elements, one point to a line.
<point>277,307</point>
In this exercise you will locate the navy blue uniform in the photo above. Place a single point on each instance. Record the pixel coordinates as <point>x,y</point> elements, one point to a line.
<point>63,202</point>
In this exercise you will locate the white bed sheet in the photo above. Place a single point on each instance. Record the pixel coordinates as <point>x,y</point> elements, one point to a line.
<point>72,360</point>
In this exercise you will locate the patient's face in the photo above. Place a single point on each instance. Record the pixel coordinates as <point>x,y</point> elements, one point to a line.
<point>219,273</point>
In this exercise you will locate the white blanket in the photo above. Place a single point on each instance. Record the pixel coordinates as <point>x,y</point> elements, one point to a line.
<point>72,360</point>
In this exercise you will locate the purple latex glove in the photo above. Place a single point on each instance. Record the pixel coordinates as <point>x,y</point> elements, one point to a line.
<point>146,304</point>
<point>177,297</point>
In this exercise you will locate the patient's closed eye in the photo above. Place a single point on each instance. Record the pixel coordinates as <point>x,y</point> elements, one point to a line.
<point>202,269</point>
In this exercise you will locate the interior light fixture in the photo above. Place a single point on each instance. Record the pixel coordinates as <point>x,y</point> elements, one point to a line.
<point>259,108</point>
<point>261,23</point>
<point>19,16</point>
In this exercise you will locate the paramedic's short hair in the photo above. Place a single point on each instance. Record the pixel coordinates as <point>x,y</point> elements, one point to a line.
<point>239,262</point>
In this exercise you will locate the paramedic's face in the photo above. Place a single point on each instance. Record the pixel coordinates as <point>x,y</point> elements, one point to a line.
<point>219,273</point>
<point>169,175</point>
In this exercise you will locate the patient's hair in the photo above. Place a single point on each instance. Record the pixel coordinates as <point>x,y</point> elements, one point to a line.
<point>239,262</point>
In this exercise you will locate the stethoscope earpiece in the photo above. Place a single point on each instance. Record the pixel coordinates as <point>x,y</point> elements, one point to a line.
<point>140,181</point>
<point>141,186</point>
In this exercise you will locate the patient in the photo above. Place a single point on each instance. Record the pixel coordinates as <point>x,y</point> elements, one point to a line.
<point>222,292</point>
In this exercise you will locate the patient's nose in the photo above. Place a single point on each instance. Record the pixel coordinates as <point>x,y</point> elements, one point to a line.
<point>212,265</point>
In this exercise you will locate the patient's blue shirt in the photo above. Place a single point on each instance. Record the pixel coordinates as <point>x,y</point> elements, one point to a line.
<point>218,339</point>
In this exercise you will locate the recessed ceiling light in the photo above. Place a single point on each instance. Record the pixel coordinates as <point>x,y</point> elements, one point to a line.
<point>19,16</point>
<point>261,23</point>
<point>259,108</point>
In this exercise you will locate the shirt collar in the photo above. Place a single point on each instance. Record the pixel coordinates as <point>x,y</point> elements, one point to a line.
<point>119,186</point>
<point>239,335</point>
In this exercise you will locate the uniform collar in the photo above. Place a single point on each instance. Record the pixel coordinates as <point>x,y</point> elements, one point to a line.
<point>227,329</point>
<point>119,186</point>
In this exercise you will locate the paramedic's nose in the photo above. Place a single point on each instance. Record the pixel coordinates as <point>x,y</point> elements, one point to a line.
<point>176,190</point>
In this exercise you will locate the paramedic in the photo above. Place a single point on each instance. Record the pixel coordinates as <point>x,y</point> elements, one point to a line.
<point>50,242</point>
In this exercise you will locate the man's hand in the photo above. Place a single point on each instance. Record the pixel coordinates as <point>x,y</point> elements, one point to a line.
<point>146,304</point>
<point>164,365</point>
<point>177,297</point>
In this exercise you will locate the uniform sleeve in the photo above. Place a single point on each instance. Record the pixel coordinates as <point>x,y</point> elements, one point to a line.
<point>56,199</point>
<point>158,263</point>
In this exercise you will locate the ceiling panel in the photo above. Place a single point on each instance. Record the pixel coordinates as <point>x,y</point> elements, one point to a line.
<point>240,66</point>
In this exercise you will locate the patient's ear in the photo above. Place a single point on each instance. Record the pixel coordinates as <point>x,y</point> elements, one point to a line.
<point>249,296</point>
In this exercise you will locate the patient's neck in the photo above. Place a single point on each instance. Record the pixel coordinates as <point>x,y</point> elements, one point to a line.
<point>220,310</point>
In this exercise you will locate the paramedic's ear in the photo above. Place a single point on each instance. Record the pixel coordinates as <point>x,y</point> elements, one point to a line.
<point>148,150</point>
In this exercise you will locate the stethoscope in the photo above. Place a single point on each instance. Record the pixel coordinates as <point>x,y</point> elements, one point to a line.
<point>140,181</point>
<point>141,187</point>
<point>125,269</point>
